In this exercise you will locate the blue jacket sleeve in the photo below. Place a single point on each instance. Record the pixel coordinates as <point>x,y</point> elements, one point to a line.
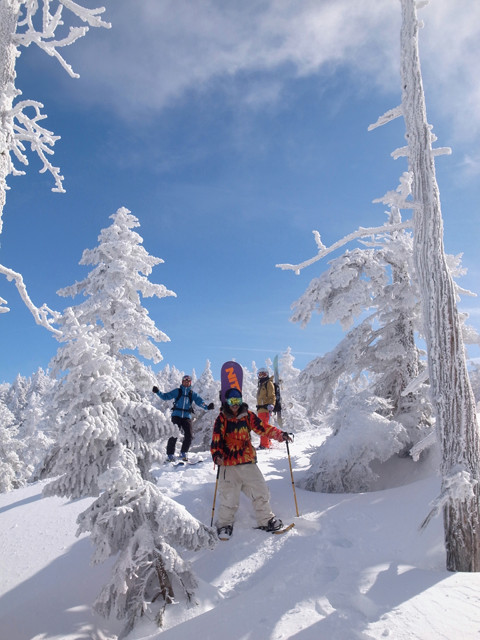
<point>198,400</point>
<point>168,395</point>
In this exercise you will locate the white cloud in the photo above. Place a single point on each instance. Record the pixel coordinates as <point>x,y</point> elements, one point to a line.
<point>159,50</point>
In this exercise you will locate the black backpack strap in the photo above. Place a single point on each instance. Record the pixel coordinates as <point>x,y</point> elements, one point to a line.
<point>179,395</point>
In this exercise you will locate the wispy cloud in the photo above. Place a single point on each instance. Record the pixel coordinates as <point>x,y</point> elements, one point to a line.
<point>158,52</point>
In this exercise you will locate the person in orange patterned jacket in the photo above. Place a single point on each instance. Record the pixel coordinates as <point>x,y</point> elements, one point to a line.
<point>232,450</point>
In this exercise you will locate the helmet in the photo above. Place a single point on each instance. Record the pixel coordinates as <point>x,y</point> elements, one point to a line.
<point>263,372</point>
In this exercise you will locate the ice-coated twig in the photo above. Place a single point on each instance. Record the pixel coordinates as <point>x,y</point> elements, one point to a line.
<point>44,316</point>
<point>361,232</point>
<point>28,130</point>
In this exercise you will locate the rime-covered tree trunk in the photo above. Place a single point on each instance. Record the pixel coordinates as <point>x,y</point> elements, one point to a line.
<point>8,22</point>
<point>451,391</point>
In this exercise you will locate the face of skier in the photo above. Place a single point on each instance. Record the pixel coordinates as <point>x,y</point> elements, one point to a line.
<point>186,381</point>
<point>234,404</point>
<point>234,400</point>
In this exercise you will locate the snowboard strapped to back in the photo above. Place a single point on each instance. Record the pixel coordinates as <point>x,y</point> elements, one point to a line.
<point>231,377</point>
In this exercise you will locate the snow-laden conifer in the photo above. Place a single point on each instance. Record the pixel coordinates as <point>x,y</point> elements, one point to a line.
<point>207,388</point>
<point>114,287</point>
<point>99,410</point>
<point>11,476</point>
<point>294,412</point>
<point>144,529</point>
<point>374,286</point>
<point>361,436</point>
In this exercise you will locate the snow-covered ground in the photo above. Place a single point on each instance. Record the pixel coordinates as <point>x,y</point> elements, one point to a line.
<point>354,566</point>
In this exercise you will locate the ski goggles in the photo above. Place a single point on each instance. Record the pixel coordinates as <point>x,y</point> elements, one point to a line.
<point>234,402</point>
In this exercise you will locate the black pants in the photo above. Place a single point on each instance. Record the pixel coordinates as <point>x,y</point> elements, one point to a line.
<point>185,425</point>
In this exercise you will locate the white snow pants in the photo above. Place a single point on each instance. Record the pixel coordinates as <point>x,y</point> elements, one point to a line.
<point>249,479</point>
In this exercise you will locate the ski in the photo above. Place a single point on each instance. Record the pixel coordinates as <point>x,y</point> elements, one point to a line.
<point>279,531</point>
<point>185,463</point>
<point>179,462</point>
<point>276,376</point>
<point>231,377</point>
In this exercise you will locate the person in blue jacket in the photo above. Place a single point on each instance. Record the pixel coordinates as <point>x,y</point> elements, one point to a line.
<point>183,397</point>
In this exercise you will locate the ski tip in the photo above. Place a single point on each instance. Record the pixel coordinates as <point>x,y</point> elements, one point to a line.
<point>285,529</point>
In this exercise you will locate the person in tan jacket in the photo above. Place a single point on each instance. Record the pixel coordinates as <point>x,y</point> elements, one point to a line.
<point>265,402</point>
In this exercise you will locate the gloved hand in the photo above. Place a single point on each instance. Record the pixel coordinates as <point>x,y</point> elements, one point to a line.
<point>270,408</point>
<point>211,406</point>
<point>218,460</point>
<point>155,389</point>
<point>287,437</point>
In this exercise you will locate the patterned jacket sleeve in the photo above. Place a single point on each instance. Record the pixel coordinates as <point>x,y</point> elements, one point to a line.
<point>262,429</point>
<point>216,446</point>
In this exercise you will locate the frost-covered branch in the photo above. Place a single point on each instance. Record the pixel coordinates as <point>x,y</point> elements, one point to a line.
<point>458,486</point>
<point>361,232</point>
<point>28,130</point>
<point>22,23</point>
<point>27,34</point>
<point>43,315</point>
<point>397,112</point>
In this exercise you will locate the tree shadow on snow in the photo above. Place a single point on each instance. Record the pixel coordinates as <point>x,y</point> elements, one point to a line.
<point>57,601</point>
<point>21,503</point>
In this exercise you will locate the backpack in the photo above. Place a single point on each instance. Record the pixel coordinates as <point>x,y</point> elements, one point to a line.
<point>278,400</point>
<point>179,395</point>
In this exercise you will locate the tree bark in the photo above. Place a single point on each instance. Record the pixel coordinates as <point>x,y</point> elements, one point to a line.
<point>452,396</point>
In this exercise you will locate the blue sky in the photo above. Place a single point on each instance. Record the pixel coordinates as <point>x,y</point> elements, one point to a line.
<point>231,131</point>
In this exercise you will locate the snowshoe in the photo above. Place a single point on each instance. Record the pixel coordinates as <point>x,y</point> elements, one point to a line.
<point>274,524</point>
<point>225,533</point>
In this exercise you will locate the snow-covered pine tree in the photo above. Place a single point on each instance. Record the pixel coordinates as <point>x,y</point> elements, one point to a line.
<point>169,377</point>
<point>36,429</point>
<point>294,412</point>
<point>250,383</point>
<point>21,25</point>
<point>100,453</point>
<point>11,467</point>
<point>361,438</point>
<point>207,388</point>
<point>144,529</point>
<point>376,282</point>
<point>452,395</point>
<point>113,288</point>
<point>99,411</point>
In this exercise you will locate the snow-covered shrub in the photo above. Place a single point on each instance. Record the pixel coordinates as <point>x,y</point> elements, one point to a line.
<point>360,436</point>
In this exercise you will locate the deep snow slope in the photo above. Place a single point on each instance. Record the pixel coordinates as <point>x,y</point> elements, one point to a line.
<point>354,566</point>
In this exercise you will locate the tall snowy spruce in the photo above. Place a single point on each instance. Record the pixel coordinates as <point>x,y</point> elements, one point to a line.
<point>452,395</point>
<point>112,290</point>
<point>101,453</point>
<point>111,434</point>
<point>11,465</point>
<point>22,25</point>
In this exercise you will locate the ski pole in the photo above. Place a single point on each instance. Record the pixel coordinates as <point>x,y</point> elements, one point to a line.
<point>291,475</point>
<point>215,496</point>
